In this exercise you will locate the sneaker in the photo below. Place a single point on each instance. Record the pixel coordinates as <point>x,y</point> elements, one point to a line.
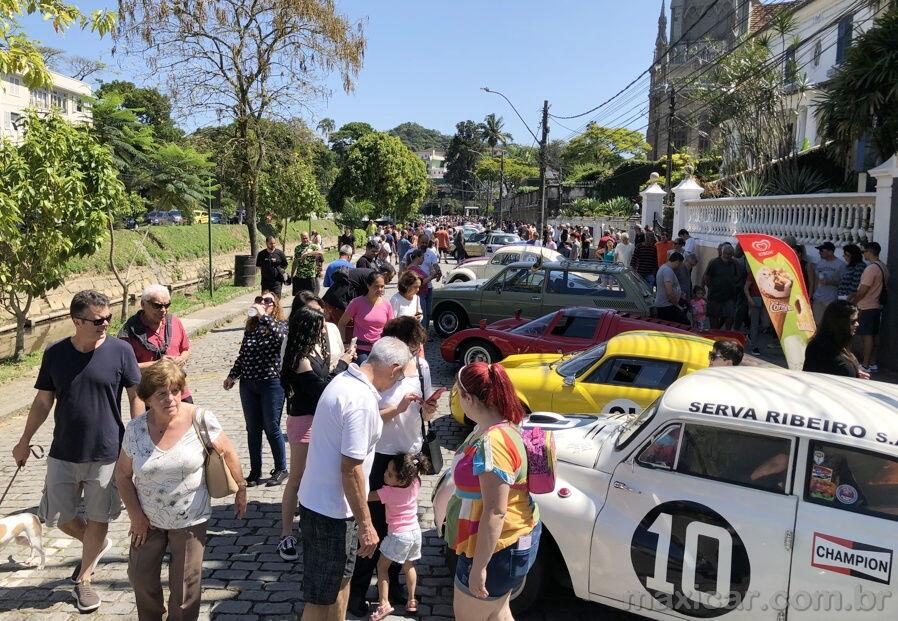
<point>755,351</point>
<point>254,479</point>
<point>358,607</point>
<point>86,598</point>
<point>277,477</point>
<point>287,548</point>
<point>873,368</point>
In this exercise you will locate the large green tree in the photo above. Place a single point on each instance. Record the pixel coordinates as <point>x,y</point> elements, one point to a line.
<point>119,129</point>
<point>177,177</point>
<point>290,193</point>
<point>20,55</point>
<point>601,149</point>
<point>418,138</point>
<point>349,134</point>
<point>381,169</point>
<point>149,106</point>
<point>492,132</point>
<point>516,172</point>
<point>462,156</point>
<point>245,61</point>
<point>861,100</point>
<point>57,190</point>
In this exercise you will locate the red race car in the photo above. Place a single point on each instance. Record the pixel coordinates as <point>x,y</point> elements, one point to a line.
<point>567,330</point>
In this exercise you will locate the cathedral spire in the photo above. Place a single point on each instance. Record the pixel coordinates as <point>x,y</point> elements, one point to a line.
<point>661,39</point>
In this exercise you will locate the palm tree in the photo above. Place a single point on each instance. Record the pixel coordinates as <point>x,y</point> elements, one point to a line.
<point>861,100</point>
<point>326,127</point>
<point>491,132</point>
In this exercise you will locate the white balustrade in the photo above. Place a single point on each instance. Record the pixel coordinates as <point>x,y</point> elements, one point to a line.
<point>809,218</point>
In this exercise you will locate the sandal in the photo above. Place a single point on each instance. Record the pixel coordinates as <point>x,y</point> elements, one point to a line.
<point>383,611</point>
<point>412,606</point>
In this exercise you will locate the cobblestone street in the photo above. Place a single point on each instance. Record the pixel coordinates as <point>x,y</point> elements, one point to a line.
<point>244,578</point>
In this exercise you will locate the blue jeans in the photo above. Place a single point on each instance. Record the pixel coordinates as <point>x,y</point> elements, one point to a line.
<point>425,309</point>
<point>263,404</point>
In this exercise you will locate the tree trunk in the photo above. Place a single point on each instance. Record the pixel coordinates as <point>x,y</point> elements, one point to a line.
<point>122,282</point>
<point>21,314</point>
<point>247,180</point>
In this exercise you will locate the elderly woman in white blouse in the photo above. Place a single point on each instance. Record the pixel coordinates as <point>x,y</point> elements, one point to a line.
<point>161,480</point>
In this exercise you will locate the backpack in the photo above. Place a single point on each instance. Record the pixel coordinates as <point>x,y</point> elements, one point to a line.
<point>540,447</point>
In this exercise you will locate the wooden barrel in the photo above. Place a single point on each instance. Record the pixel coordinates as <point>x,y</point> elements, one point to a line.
<point>244,270</point>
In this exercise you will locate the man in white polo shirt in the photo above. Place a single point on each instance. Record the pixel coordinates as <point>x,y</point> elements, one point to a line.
<point>333,495</point>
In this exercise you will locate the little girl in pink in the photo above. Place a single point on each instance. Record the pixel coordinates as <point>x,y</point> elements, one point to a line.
<point>698,307</point>
<point>402,544</point>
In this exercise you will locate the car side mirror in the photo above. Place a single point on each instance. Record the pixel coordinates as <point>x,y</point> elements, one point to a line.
<point>569,380</point>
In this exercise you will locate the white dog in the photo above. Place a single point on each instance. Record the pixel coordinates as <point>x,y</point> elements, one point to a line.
<point>26,529</point>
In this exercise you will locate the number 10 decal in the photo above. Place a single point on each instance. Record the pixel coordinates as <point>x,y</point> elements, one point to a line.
<point>689,558</point>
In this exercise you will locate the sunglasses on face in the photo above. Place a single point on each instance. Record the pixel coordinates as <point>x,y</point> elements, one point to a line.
<point>160,305</point>
<point>264,301</point>
<point>712,356</point>
<point>97,322</point>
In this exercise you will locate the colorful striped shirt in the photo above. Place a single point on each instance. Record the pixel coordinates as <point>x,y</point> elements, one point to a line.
<point>500,450</point>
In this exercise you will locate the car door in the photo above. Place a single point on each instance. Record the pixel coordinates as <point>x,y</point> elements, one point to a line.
<point>696,524</point>
<point>515,289</point>
<point>617,385</point>
<point>845,534</point>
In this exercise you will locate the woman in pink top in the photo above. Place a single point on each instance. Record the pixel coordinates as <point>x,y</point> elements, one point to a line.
<point>402,482</point>
<point>369,314</point>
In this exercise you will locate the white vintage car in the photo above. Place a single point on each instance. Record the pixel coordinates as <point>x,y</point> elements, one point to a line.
<point>487,267</point>
<point>746,493</point>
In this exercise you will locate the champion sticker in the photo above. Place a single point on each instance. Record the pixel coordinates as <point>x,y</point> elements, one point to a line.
<point>822,473</point>
<point>846,494</point>
<point>819,456</point>
<point>852,558</point>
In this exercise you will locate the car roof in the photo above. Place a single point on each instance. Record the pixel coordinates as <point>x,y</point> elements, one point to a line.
<point>688,348</point>
<point>526,247</point>
<point>585,266</point>
<point>824,407</point>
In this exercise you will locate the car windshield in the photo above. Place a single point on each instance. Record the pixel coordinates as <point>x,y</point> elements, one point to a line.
<point>174,213</point>
<point>535,327</point>
<point>506,239</point>
<point>580,363</point>
<point>635,423</point>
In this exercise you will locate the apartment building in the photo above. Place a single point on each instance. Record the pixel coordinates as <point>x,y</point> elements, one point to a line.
<point>67,95</point>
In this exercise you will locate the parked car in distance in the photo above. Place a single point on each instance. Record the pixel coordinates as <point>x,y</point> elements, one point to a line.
<point>624,374</point>
<point>564,331</point>
<point>486,243</point>
<point>536,290</point>
<point>200,216</point>
<point>487,267</point>
<point>156,218</point>
<point>739,494</point>
<point>217,218</point>
<point>175,217</point>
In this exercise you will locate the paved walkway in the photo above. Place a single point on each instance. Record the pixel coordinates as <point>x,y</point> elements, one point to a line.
<point>243,576</point>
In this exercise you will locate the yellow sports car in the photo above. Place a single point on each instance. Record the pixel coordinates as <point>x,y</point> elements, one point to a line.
<point>622,375</point>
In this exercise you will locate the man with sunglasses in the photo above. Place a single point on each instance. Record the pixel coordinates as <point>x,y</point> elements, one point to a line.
<point>84,375</point>
<point>154,333</point>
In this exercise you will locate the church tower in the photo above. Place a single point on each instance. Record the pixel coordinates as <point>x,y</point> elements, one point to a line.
<point>657,84</point>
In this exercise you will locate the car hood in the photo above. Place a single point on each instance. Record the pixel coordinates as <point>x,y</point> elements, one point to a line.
<point>454,288</point>
<point>530,361</point>
<point>579,438</point>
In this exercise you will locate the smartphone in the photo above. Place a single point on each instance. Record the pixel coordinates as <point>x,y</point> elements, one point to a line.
<point>436,394</point>
<point>353,342</point>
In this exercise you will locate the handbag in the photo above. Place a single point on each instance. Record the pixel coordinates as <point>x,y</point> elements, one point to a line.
<point>219,480</point>
<point>430,447</point>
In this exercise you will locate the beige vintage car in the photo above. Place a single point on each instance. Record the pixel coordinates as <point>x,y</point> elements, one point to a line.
<point>487,267</point>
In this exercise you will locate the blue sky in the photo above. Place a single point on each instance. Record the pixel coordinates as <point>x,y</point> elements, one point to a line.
<point>426,61</point>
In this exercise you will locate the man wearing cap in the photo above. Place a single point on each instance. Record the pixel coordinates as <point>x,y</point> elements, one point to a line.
<point>829,273</point>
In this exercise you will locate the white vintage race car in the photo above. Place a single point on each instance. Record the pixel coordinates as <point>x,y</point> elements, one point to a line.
<point>487,267</point>
<point>746,493</point>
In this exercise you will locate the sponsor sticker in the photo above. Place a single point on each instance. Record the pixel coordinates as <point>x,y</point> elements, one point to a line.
<point>822,473</point>
<point>846,494</point>
<point>852,558</point>
<point>819,456</point>
<point>824,490</point>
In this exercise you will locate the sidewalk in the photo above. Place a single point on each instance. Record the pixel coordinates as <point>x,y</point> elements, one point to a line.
<point>18,394</point>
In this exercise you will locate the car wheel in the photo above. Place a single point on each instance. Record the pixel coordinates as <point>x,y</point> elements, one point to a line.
<point>449,320</point>
<point>479,351</point>
<point>459,279</point>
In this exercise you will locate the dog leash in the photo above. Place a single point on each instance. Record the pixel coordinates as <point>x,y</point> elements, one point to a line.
<point>38,452</point>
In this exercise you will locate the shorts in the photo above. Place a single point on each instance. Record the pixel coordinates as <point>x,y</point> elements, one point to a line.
<point>68,481</point>
<point>402,547</point>
<point>507,568</point>
<point>329,546</point>
<point>299,429</point>
<point>868,321</point>
<point>722,310</point>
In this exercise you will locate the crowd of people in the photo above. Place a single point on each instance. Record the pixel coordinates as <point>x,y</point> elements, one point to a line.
<point>349,371</point>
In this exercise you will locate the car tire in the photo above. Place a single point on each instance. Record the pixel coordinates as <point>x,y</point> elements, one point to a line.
<point>459,279</point>
<point>449,319</point>
<point>478,350</point>
<point>526,595</point>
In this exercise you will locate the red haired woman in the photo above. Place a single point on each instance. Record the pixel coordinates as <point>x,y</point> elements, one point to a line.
<point>492,522</point>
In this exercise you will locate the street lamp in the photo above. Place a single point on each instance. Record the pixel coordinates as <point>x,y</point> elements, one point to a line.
<point>487,89</point>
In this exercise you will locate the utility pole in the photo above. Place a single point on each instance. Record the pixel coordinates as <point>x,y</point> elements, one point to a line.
<point>543,154</point>
<point>501,187</point>
<point>209,228</point>
<point>670,121</point>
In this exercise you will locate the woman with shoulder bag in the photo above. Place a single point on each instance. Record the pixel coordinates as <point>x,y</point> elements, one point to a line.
<point>402,409</point>
<point>162,482</point>
<point>492,522</point>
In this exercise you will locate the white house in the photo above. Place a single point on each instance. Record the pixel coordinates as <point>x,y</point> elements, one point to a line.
<point>435,160</point>
<point>67,95</point>
<point>823,34</point>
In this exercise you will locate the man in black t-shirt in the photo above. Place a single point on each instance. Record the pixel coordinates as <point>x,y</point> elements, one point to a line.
<point>723,280</point>
<point>84,375</point>
<point>272,262</point>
